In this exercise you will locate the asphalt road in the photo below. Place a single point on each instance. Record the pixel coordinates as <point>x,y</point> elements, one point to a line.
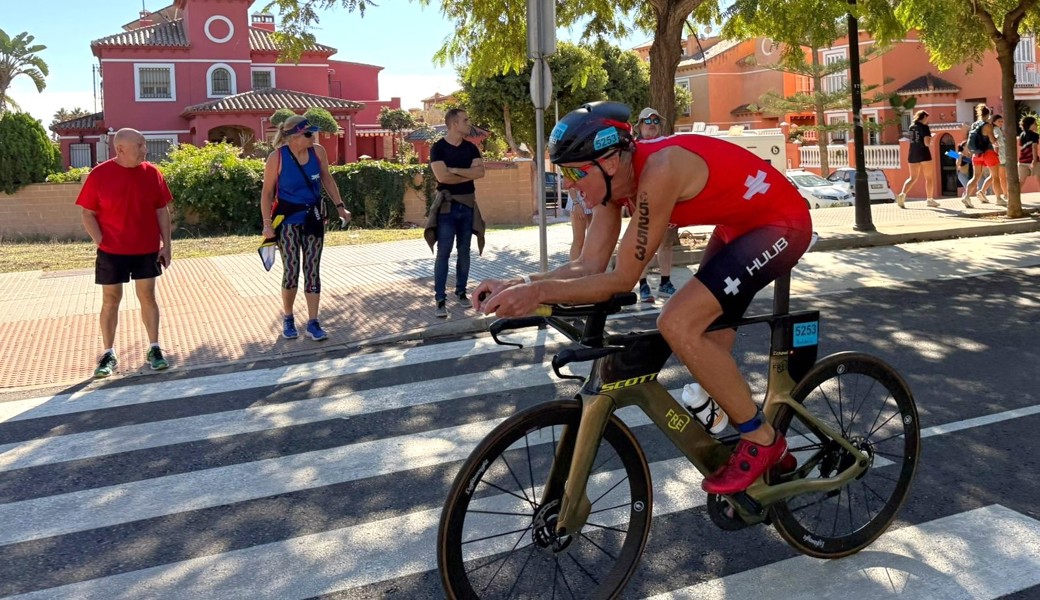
<point>325,479</point>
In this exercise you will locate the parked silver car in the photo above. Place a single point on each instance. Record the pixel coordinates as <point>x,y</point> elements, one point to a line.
<point>880,192</point>
<point>817,191</point>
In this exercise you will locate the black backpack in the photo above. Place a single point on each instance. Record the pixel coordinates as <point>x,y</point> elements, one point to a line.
<point>975,137</point>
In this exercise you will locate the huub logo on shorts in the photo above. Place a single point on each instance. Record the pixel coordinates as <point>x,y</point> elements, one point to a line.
<point>761,261</point>
<point>605,138</point>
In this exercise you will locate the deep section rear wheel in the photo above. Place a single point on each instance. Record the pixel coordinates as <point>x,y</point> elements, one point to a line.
<point>497,536</point>
<point>870,404</point>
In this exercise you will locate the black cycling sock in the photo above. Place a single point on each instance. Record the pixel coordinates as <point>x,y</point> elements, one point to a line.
<point>666,279</point>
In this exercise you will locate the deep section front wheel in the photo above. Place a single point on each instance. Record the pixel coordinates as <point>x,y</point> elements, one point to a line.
<point>867,401</point>
<point>497,535</point>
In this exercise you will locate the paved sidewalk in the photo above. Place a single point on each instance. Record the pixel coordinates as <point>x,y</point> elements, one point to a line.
<point>226,309</point>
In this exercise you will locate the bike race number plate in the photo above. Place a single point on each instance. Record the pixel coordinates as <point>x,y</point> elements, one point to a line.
<point>806,334</point>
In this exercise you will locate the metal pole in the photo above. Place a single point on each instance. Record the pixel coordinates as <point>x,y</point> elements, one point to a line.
<point>539,188</point>
<point>559,183</point>
<point>864,219</point>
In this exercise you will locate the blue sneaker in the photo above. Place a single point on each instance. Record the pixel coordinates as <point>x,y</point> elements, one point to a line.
<point>665,289</point>
<point>644,293</point>
<point>315,331</point>
<point>289,328</point>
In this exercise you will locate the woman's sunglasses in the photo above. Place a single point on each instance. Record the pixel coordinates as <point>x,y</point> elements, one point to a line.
<point>308,134</point>
<point>652,121</point>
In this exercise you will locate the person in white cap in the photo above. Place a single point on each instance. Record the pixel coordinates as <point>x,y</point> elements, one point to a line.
<point>651,127</point>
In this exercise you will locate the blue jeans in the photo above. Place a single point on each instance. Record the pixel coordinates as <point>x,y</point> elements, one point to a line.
<point>452,226</point>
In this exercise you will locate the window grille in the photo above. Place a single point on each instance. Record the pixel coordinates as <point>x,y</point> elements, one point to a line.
<point>220,82</point>
<point>155,82</point>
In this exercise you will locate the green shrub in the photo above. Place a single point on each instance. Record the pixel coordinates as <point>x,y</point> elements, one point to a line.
<point>70,176</point>
<point>373,190</point>
<point>216,185</point>
<point>27,155</point>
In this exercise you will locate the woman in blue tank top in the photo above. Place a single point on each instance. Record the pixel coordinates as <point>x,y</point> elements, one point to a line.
<point>294,175</point>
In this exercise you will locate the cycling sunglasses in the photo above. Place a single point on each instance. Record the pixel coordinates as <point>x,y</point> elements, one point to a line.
<point>308,134</point>
<point>652,120</point>
<point>579,173</point>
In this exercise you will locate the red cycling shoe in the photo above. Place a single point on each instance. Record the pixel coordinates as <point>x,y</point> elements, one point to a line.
<point>747,463</point>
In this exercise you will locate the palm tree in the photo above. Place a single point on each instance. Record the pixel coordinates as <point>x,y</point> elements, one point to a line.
<point>18,57</point>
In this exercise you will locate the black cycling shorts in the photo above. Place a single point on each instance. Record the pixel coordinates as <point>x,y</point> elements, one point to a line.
<point>734,272</point>
<point>110,269</point>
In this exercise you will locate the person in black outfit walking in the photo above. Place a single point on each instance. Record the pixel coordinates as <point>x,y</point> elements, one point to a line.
<point>920,159</point>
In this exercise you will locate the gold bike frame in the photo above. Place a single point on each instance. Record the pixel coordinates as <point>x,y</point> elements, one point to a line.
<point>704,451</point>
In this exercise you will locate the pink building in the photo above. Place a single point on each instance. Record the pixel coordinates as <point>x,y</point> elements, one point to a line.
<point>207,70</point>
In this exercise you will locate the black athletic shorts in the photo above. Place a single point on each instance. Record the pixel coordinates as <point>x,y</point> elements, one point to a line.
<point>110,269</point>
<point>734,272</point>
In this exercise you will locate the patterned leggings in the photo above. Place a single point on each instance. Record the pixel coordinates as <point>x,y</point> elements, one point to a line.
<point>294,244</point>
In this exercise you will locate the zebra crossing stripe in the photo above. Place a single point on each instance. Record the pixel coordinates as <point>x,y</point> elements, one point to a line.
<point>158,390</point>
<point>967,556</point>
<point>311,565</point>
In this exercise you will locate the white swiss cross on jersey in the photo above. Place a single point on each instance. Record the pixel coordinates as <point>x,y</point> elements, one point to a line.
<point>755,185</point>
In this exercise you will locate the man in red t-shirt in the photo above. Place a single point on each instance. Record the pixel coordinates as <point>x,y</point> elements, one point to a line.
<point>124,202</point>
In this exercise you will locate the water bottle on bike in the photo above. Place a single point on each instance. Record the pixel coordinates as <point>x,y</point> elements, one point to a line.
<point>704,408</point>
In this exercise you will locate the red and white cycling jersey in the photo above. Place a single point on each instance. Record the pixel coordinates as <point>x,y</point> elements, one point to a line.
<point>743,191</point>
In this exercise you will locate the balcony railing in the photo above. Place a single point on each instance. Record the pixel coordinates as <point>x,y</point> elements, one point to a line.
<point>1027,75</point>
<point>837,156</point>
<point>876,157</point>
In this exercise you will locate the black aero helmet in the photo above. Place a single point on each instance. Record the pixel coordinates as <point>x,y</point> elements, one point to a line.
<point>590,132</point>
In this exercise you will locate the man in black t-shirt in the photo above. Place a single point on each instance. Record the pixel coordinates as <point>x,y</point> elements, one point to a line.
<point>454,215</point>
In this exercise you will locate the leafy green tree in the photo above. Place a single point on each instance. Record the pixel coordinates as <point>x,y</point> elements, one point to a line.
<point>26,154</point>
<point>959,32</point>
<point>491,35</point>
<point>503,102</point>
<point>802,27</point>
<point>279,116</point>
<point>323,119</point>
<point>397,120</point>
<point>18,56</point>
<point>628,76</point>
<point>683,100</point>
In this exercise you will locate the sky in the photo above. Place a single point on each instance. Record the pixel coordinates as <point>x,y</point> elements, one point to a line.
<point>398,35</point>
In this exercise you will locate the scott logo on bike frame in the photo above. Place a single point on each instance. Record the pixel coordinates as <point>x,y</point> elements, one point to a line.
<point>617,385</point>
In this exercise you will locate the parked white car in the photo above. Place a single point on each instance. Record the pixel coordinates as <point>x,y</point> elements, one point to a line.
<point>880,192</point>
<point>817,191</point>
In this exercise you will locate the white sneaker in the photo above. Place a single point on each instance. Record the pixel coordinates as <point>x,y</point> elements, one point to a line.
<point>932,203</point>
<point>982,197</point>
<point>901,200</point>
<point>1001,201</point>
<point>967,202</point>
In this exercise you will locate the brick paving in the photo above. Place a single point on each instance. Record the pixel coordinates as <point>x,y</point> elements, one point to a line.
<point>221,309</point>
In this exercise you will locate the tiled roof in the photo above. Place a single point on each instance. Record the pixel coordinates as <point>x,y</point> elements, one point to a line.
<point>710,53</point>
<point>88,122</point>
<point>261,39</point>
<point>746,109</point>
<point>172,35</point>
<point>162,34</point>
<point>270,100</point>
<point>928,84</point>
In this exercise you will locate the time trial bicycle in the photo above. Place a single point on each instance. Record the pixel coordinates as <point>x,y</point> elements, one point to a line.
<point>556,501</point>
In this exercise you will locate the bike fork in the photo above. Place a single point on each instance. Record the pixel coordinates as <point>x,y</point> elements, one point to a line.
<point>572,475</point>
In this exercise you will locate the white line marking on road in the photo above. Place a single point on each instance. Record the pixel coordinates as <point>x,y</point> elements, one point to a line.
<point>325,562</point>
<point>94,399</point>
<point>978,555</point>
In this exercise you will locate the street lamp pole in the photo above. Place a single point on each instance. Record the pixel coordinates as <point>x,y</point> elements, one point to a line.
<point>864,220</point>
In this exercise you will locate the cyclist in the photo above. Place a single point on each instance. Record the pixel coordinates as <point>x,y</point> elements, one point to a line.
<point>762,229</point>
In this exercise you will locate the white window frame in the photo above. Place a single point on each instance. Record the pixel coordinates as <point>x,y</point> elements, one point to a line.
<point>269,70</point>
<point>870,137</point>
<point>159,136</point>
<point>685,82</point>
<point>209,80</point>
<point>837,81</point>
<point>150,65</point>
<point>837,118</point>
